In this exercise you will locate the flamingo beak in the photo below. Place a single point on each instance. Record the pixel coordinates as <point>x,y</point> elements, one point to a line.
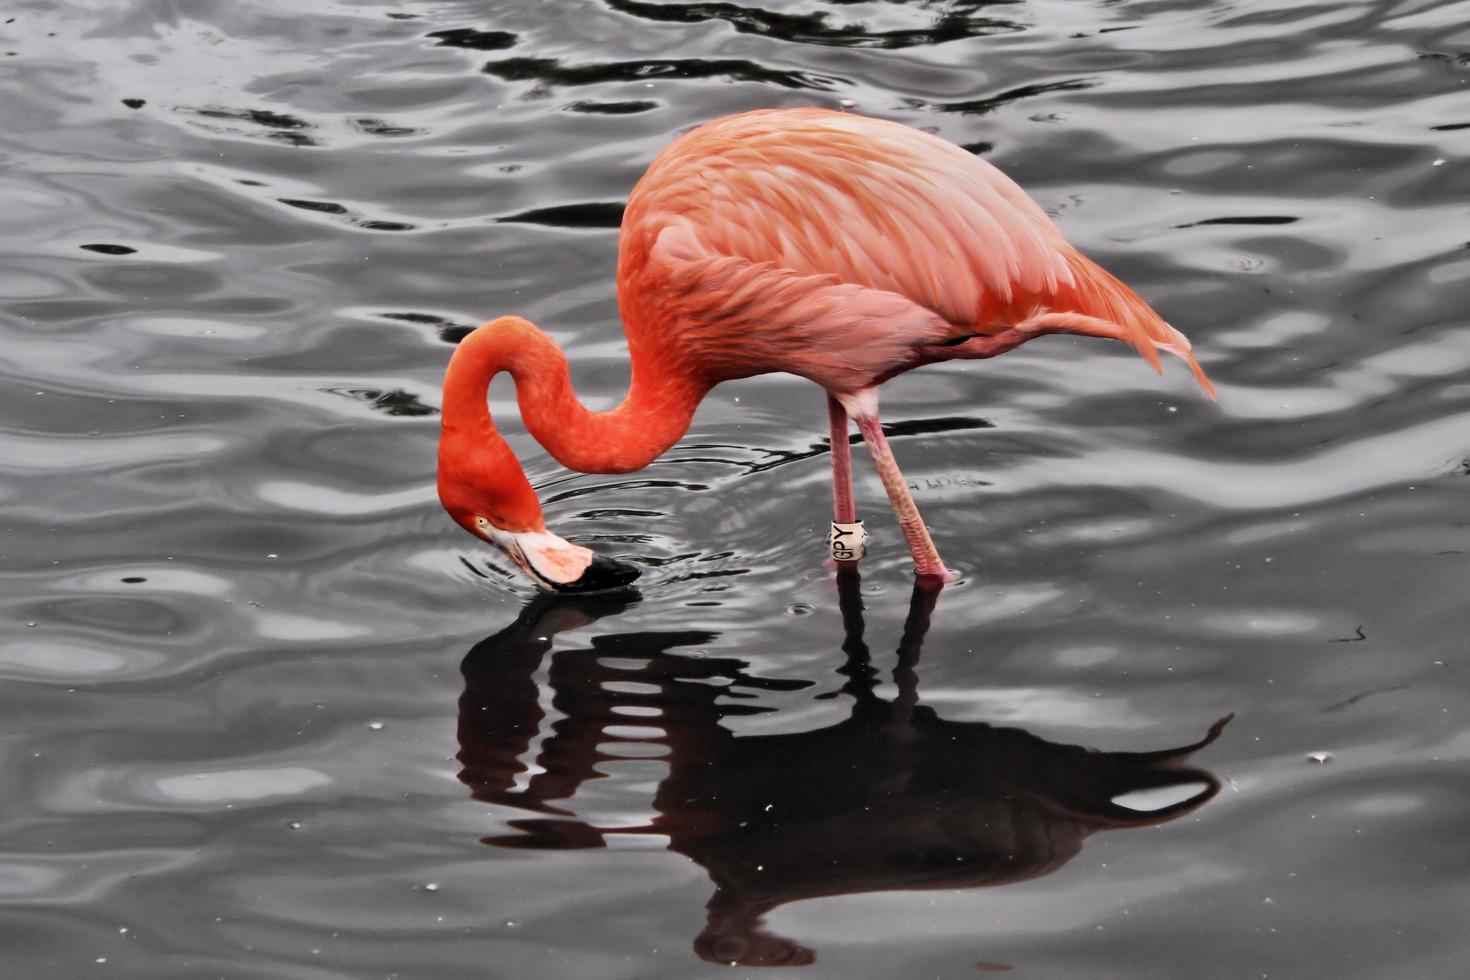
<point>558,565</point>
<point>601,575</point>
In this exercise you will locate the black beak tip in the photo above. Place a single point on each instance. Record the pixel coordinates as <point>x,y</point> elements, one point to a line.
<point>602,575</point>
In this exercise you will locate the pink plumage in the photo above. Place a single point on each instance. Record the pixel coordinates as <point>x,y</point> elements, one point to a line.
<point>856,245</point>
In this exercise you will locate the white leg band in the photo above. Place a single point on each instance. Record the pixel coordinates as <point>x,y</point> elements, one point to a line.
<point>847,542</point>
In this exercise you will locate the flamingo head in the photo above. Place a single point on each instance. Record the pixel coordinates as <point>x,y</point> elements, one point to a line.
<point>553,563</point>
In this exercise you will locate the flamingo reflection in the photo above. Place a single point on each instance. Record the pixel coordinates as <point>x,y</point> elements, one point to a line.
<point>892,797</point>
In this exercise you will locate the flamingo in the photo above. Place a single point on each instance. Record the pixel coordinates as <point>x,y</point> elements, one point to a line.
<point>836,247</point>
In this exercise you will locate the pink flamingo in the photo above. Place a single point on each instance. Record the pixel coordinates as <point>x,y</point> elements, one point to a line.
<point>839,248</point>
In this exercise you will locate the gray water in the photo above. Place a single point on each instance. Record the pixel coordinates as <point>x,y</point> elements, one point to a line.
<point>268,713</point>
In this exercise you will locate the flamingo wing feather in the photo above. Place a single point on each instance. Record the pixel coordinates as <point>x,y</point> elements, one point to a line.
<point>897,221</point>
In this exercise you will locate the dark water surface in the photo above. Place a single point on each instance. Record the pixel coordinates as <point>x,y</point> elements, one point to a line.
<point>268,713</point>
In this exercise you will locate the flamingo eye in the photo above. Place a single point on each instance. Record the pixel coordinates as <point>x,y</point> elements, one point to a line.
<point>482,522</point>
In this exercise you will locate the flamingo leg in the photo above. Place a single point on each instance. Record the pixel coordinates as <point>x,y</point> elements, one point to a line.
<point>843,509</point>
<point>863,405</point>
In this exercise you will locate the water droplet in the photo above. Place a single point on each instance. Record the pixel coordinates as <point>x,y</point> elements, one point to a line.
<point>799,608</point>
<point>272,556</point>
<point>31,625</point>
<point>122,930</point>
<point>511,923</point>
<point>432,886</point>
<point>376,726</point>
<point>847,103</point>
<point>294,825</point>
<point>1438,163</point>
<point>1320,756</point>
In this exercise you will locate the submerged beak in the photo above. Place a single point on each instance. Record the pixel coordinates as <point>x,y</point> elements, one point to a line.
<point>558,565</point>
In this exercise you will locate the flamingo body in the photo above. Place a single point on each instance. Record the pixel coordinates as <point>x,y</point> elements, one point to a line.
<point>839,248</point>
<point>846,250</point>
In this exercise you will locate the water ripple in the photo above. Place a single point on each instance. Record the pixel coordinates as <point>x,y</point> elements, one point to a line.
<point>239,242</point>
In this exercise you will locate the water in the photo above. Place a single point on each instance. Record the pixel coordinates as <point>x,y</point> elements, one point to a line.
<point>269,713</point>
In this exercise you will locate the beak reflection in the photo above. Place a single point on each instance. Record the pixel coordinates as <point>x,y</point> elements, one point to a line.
<point>891,797</point>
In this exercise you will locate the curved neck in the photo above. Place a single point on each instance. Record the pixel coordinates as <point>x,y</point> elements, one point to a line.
<point>653,416</point>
